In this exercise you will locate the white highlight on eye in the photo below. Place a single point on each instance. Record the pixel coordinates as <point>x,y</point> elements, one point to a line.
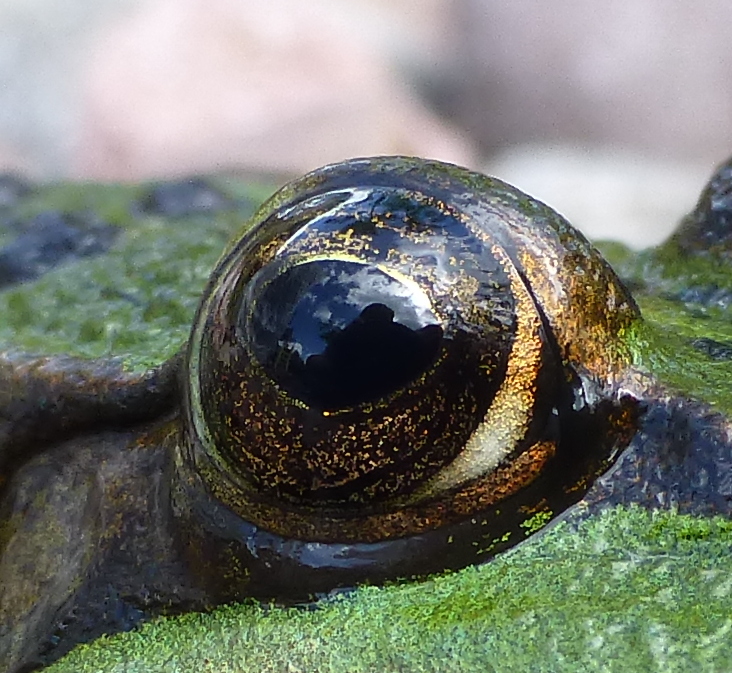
<point>368,287</point>
<point>356,196</point>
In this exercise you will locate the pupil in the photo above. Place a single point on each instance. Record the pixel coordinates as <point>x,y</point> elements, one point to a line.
<point>335,334</point>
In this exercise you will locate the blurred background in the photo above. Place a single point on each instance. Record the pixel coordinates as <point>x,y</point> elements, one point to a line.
<point>614,113</point>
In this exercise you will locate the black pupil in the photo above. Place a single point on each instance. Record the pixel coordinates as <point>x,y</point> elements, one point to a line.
<point>335,334</point>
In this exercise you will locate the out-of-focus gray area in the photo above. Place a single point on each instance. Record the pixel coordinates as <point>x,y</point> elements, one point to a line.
<point>613,113</point>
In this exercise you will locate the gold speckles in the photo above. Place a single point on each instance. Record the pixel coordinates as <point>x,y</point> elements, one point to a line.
<point>586,314</point>
<point>507,418</point>
<point>522,317</point>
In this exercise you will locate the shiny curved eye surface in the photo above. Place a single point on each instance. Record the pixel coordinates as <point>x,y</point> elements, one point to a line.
<point>335,334</point>
<point>403,350</point>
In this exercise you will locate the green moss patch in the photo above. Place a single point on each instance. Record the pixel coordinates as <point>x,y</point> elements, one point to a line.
<point>626,591</point>
<point>663,346</point>
<point>138,300</point>
<point>683,299</point>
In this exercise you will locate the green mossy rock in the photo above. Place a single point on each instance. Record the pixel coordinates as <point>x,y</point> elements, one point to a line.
<point>624,591</point>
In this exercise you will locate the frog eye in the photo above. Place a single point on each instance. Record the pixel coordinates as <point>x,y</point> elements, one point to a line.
<point>402,352</point>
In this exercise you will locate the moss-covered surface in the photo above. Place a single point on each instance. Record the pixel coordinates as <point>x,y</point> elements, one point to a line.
<point>137,300</point>
<point>625,591</point>
<point>686,337</point>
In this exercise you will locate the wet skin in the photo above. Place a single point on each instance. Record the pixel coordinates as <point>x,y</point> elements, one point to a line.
<point>170,477</point>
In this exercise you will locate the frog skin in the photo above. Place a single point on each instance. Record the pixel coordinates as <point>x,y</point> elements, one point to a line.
<point>87,447</point>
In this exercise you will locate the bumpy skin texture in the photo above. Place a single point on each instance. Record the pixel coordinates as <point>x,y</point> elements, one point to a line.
<point>707,231</point>
<point>99,480</point>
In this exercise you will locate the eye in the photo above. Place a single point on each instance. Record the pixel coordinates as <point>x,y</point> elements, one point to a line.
<point>395,369</point>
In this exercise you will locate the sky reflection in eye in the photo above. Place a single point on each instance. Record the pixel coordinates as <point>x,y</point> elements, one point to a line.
<point>335,333</point>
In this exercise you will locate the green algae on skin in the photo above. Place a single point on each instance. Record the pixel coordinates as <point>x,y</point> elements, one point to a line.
<point>666,285</point>
<point>627,590</point>
<point>536,522</point>
<point>662,345</point>
<point>137,301</point>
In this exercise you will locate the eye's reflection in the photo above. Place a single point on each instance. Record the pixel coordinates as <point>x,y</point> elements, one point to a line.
<point>403,363</point>
<point>335,333</point>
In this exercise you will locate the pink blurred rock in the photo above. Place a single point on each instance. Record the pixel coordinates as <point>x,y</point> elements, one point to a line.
<point>183,86</point>
<point>652,75</point>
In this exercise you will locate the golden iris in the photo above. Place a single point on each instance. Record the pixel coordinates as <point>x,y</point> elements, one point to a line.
<point>401,362</point>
